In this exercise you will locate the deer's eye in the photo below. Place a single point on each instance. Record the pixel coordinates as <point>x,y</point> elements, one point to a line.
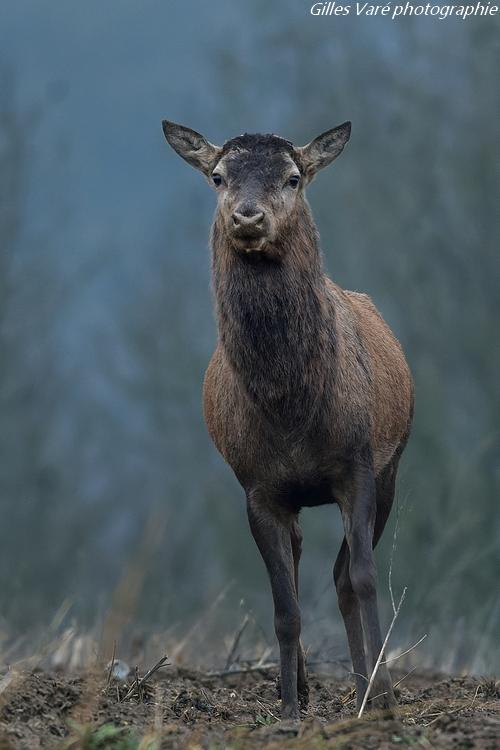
<point>217,179</point>
<point>293,181</point>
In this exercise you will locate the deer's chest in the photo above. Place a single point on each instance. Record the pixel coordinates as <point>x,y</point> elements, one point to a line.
<point>304,460</point>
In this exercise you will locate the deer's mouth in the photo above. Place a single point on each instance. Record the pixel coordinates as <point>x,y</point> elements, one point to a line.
<point>250,245</point>
<point>249,242</point>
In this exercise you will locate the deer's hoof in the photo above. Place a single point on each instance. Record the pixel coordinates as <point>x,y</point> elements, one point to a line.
<point>385,705</point>
<point>290,718</point>
<point>303,693</point>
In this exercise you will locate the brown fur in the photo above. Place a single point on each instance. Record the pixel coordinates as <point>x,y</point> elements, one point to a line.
<point>308,395</point>
<point>338,378</point>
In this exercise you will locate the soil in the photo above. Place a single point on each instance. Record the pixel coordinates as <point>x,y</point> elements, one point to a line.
<point>239,711</point>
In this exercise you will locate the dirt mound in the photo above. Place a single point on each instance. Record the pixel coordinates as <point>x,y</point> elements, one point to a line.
<point>183,709</point>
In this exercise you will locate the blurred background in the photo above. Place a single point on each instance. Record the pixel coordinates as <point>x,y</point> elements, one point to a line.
<point>110,489</point>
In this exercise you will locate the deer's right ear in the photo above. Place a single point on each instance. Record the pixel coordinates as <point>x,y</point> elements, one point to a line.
<point>192,146</point>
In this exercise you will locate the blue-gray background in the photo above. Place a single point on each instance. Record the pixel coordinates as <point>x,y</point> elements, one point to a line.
<point>105,308</point>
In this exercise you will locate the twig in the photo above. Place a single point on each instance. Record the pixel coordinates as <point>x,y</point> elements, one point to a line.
<point>404,678</point>
<point>351,696</point>
<point>379,695</point>
<point>358,674</point>
<point>379,659</point>
<point>263,656</point>
<point>258,697</point>
<point>338,662</point>
<point>267,710</point>
<point>137,686</point>
<point>157,666</point>
<point>454,710</point>
<point>180,646</point>
<point>140,683</point>
<point>393,658</point>
<point>395,684</point>
<point>242,670</point>
<point>111,667</point>
<point>393,550</point>
<point>236,641</point>
<point>396,611</point>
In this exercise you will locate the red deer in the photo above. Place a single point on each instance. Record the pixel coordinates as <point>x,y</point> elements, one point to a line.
<point>308,396</point>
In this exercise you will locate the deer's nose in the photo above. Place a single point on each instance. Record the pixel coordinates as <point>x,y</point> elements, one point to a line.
<point>245,220</point>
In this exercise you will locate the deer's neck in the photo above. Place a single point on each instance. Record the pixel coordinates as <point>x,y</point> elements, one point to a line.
<point>275,325</point>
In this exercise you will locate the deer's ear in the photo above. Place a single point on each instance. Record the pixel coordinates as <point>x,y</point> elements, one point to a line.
<point>324,149</point>
<point>192,146</point>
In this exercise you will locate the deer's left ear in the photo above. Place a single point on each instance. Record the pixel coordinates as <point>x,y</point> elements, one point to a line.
<point>192,146</point>
<point>324,149</point>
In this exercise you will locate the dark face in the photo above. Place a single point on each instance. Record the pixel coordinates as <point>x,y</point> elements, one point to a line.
<point>258,183</point>
<point>259,179</point>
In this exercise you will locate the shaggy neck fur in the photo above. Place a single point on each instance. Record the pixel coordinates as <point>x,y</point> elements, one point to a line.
<point>274,322</point>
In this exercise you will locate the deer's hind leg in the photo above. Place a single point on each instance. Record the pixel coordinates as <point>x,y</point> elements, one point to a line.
<point>347,599</point>
<point>349,609</point>
<point>385,487</point>
<point>359,516</point>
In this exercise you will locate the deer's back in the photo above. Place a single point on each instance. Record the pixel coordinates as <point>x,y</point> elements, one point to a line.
<point>389,386</point>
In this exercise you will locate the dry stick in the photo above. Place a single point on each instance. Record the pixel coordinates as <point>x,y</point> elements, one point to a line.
<point>318,662</point>
<point>396,613</point>
<point>236,641</point>
<point>138,689</point>
<point>454,710</point>
<point>111,667</point>
<point>260,664</point>
<point>17,671</point>
<point>267,710</point>
<point>379,659</point>
<point>403,653</point>
<point>351,696</point>
<point>243,670</point>
<point>393,550</point>
<point>404,678</point>
<point>127,592</point>
<point>180,646</point>
<point>264,656</point>
<point>146,677</point>
<point>257,696</point>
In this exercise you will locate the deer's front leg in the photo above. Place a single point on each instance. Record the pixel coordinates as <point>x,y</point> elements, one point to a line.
<point>271,532</point>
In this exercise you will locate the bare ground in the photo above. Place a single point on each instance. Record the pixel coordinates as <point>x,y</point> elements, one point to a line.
<point>185,709</point>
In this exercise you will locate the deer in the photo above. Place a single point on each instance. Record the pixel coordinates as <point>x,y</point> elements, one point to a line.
<point>308,396</point>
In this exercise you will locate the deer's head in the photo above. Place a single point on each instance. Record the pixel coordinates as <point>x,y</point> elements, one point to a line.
<point>259,179</point>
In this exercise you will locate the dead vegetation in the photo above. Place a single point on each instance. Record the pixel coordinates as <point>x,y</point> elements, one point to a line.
<point>182,709</point>
<point>66,697</point>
